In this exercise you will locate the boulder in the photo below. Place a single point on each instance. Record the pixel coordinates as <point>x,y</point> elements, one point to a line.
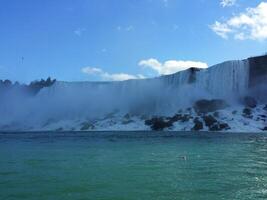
<point>224,126</point>
<point>198,125</point>
<point>209,120</point>
<point>247,113</point>
<point>219,127</point>
<point>158,123</point>
<point>205,106</point>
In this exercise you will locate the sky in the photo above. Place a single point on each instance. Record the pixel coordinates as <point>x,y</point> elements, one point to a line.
<point>99,40</point>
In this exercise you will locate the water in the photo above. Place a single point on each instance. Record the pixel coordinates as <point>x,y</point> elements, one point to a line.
<point>133,166</point>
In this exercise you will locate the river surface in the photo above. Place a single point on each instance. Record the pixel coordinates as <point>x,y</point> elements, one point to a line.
<point>133,165</point>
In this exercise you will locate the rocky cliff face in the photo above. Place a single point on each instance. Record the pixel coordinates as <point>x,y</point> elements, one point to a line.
<point>257,71</point>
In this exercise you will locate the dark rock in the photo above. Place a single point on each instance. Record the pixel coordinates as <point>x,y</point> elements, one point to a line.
<point>219,127</point>
<point>265,128</point>
<point>158,123</point>
<point>209,120</point>
<point>192,75</point>
<point>250,102</point>
<point>175,118</point>
<point>224,126</point>
<point>205,106</point>
<point>265,107</point>
<point>86,126</point>
<point>215,127</point>
<point>185,118</point>
<point>247,113</point>
<point>198,125</point>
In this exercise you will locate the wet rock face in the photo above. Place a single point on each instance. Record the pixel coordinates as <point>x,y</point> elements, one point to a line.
<point>257,71</point>
<point>205,106</point>
<point>192,76</point>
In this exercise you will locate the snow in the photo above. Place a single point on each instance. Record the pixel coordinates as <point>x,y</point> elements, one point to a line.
<point>118,122</point>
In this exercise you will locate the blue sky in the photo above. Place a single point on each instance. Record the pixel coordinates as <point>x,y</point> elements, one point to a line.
<point>77,40</point>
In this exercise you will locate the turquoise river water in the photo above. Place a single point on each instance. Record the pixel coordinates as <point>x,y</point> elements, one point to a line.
<point>132,165</point>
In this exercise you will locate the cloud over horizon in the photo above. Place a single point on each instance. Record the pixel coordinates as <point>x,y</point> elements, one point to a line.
<point>108,76</point>
<point>170,66</point>
<point>248,25</point>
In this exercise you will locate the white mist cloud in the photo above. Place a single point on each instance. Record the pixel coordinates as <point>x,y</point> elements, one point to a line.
<point>251,24</point>
<point>92,70</point>
<point>126,28</point>
<point>227,3</point>
<point>110,77</point>
<point>170,66</point>
<point>79,31</point>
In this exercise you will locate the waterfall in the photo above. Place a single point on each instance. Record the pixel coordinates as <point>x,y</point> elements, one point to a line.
<point>226,79</point>
<point>160,95</point>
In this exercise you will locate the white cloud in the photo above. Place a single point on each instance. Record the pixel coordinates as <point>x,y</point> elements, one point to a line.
<point>221,29</point>
<point>170,66</point>
<point>110,77</point>
<point>126,28</point>
<point>79,31</point>
<point>227,3</point>
<point>118,77</point>
<point>251,24</point>
<point>92,70</point>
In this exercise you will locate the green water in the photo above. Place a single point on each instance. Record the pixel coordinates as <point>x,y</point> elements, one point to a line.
<point>141,166</point>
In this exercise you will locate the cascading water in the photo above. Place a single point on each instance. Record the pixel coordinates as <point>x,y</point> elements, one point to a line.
<point>225,80</point>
